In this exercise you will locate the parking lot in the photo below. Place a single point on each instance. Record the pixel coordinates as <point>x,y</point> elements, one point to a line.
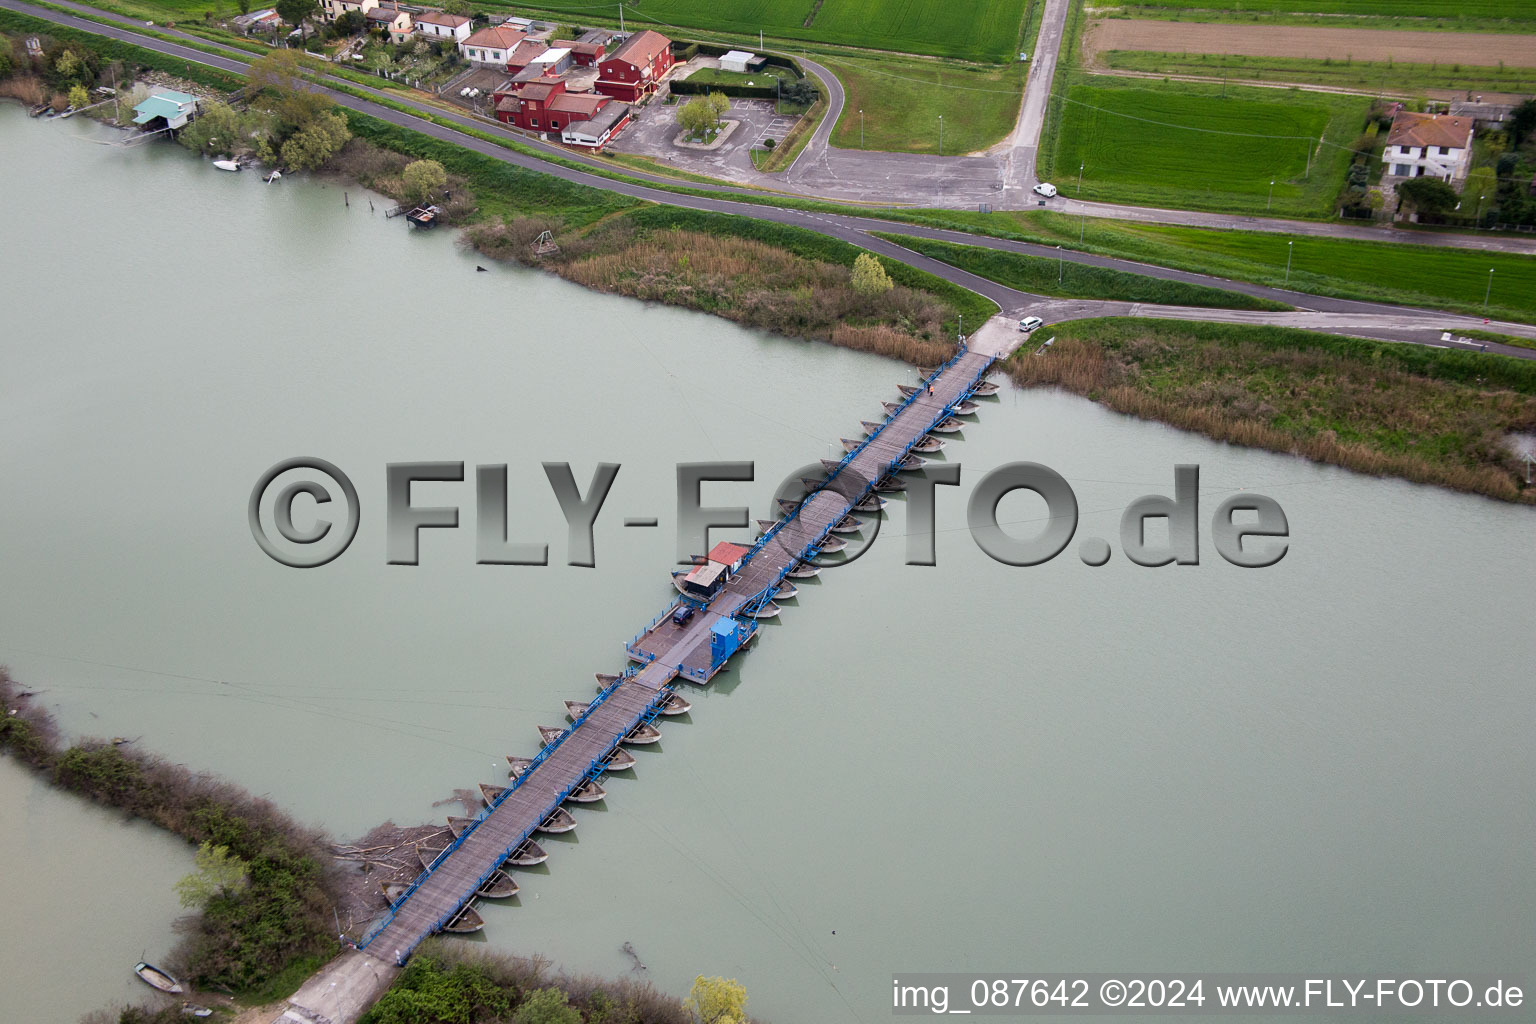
<point>655,128</point>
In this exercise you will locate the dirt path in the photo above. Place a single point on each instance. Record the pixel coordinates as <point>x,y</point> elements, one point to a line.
<point>1366,44</point>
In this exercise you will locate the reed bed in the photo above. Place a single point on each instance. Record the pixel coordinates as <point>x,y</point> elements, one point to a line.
<point>1429,416</point>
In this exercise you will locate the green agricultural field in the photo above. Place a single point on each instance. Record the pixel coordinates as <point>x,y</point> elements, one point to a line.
<point>1184,145</point>
<point>902,101</point>
<point>985,30</point>
<point>1397,78</point>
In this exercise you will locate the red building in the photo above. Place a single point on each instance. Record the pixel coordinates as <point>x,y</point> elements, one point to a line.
<point>585,55</point>
<point>635,69</point>
<point>545,106</point>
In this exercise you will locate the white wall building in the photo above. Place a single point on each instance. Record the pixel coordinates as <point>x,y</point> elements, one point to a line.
<point>1429,145</point>
<point>437,25</point>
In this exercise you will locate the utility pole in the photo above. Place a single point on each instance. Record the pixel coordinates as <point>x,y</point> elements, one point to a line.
<point>1288,250</point>
<point>960,333</point>
<point>941,135</point>
<point>1529,458</point>
<point>1271,203</point>
<point>1082,226</point>
<point>1479,221</point>
<point>861,127</point>
<point>621,17</point>
<point>1489,291</point>
<point>1061,265</point>
<point>1309,155</point>
<point>1080,167</point>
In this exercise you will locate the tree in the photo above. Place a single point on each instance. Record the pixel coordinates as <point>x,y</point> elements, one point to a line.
<point>244,6</point>
<point>316,142</point>
<point>218,129</point>
<point>1522,121</point>
<point>295,11</point>
<point>459,7</point>
<point>296,105</point>
<point>719,103</point>
<point>422,179</point>
<point>79,97</point>
<point>350,23</point>
<point>218,872</point>
<point>697,116</point>
<point>869,277</point>
<point>717,1001</point>
<point>67,64</point>
<point>1428,195</point>
<point>546,1006</point>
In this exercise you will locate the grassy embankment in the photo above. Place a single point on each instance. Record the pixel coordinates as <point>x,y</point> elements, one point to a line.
<point>1429,415</point>
<point>1396,78</point>
<point>1042,275</point>
<point>1413,275</point>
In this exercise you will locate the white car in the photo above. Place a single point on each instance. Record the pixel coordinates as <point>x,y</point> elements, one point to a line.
<point>1031,323</point>
<point>1046,189</point>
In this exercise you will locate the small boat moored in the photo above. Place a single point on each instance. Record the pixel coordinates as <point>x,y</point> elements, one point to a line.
<point>517,765</point>
<point>832,545</point>
<point>577,708</point>
<point>949,426</point>
<point>847,524</point>
<point>621,760</point>
<point>458,823</point>
<point>227,165</point>
<point>890,483</point>
<point>786,591</point>
<point>803,571</point>
<point>588,792</point>
<point>558,821</point>
<point>155,978</point>
<point>465,922</point>
<point>500,886</point>
<point>985,388</point>
<point>768,611</point>
<point>490,794</point>
<point>965,407</point>
<point>909,462</point>
<point>929,443</point>
<point>549,734</point>
<point>643,733</point>
<point>870,503</point>
<point>675,705</point>
<point>527,855</point>
<point>193,1010</point>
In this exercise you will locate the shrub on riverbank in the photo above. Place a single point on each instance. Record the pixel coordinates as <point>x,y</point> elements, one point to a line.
<point>1424,414</point>
<point>277,926</point>
<point>448,984</point>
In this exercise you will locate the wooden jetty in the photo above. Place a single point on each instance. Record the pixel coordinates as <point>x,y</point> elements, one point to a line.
<point>662,655</point>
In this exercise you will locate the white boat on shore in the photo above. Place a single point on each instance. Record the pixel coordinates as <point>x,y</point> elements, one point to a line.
<point>227,165</point>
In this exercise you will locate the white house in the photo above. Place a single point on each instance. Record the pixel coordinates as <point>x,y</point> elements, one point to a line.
<point>437,25</point>
<point>490,47</point>
<point>1429,145</point>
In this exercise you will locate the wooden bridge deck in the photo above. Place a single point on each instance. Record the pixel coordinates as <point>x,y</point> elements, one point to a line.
<point>440,893</point>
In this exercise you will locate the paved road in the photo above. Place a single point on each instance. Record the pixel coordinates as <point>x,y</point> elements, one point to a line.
<point>1396,323</point>
<point>1024,144</point>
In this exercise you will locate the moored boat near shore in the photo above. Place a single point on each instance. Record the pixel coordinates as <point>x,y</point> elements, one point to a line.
<point>643,733</point>
<point>803,571</point>
<point>588,792</point>
<point>674,704</point>
<point>154,977</point>
<point>465,922</point>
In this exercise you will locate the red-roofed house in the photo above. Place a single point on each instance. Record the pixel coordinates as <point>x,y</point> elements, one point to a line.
<point>582,54</point>
<point>522,54</point>
<point>636,68</point>
<point>1429,145</point>
<point>490,47</point>
<point>443,26</point>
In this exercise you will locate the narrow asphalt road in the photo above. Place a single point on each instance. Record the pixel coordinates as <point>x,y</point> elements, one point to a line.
<point>1396,323</point>
<point>1037,94</point>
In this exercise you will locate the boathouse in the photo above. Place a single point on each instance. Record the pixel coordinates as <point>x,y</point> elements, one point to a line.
<point>174,108</point>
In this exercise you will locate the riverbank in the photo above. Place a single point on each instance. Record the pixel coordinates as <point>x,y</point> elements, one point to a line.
<point>1427,415</point>
<point>254,945</point>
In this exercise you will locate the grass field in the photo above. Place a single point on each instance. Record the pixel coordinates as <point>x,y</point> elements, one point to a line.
<point>1395,79</point>
<point>902,101</point>
<point>1182,144</point>
<point>1413,275</point>
<point>984,30</point>
<point>1042,275</point>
